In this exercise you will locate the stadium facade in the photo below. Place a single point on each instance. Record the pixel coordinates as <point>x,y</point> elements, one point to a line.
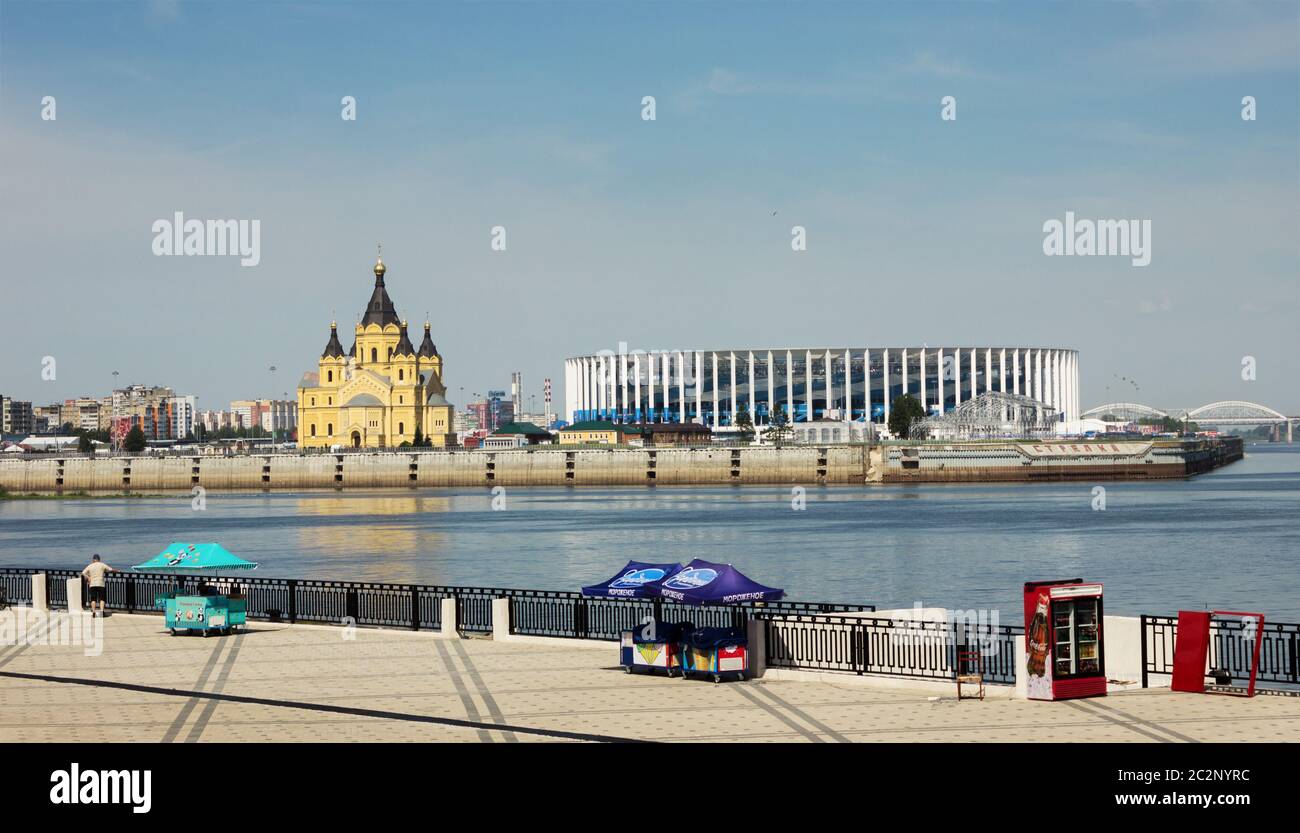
<point>841,383</point>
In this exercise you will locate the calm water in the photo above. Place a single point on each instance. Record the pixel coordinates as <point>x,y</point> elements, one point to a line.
<point>1230,539</point>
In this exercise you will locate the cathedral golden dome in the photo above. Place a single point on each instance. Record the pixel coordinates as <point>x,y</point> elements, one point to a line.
<point>379,267</point>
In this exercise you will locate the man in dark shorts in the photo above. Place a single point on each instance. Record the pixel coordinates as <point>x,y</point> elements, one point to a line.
<point>94,575</point>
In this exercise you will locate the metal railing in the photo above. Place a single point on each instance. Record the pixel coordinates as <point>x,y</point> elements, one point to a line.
<point>413,606</point>
<point>17,585</point>
<point>1231,649</point>
<point>890,647</point>
<point>572,615</point>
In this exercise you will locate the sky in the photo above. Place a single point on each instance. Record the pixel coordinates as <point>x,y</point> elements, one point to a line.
<point>672,233</point>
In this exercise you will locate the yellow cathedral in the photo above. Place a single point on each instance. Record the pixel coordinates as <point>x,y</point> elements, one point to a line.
<point>378,394</point>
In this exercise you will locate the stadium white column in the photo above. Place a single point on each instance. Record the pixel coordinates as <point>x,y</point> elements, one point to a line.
<point>714,356</point>
<point>1002,371</point>
<point>681,386</point>
<point>1047,378</point>
<point>650,387</point>
<point>885,372</point>
<point>1038,375</point>
<point>732,415</point>
<point>789,386</point>
<point>1061,401</point>
<point>620,379</point>
<point>600,385</point>
<point>589,382</point>
<point>699,386</point>
<point>753,401</point>
<point>939,379</point>
<point>1065,383</point>
<point>974,376</point>
<point>866,383</point>
<point>988,369</point>
<point>904,390</point>
<point>1078,410</point>
<point>771,386</point>
<point>830,375</point>
<point>1015,371</point>
<point>568,390</point>
<point>848,385</point>
<point>572,394</point>
<point>665,379</point>
<point>956,376</point>
<point>808,386</point>
<point>924,409</point>
<point>637,414</point>
<point>1053,381</point>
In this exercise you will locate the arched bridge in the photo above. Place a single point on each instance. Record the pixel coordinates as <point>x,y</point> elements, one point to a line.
<point>1231,412</point>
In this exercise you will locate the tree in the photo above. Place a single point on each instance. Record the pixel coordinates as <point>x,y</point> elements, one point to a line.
<point>778,428</point>
<point>743,420</point>
<point>135,441</point>
<point>84,445</point>
<point>419,437</point>
<point>904,413</point>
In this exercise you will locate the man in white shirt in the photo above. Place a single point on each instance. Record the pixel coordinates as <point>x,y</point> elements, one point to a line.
<point>94,574</point>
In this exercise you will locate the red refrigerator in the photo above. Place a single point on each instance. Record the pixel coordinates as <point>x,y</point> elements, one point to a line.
<point>1064,646</point>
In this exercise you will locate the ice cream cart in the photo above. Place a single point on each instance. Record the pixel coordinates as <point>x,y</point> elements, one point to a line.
<point>721,653</point>
<point>216,607</point>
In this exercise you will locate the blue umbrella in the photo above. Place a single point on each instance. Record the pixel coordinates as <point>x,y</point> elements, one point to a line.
<point>182,556</point>
<point>705,583</point>
<point>630,582</point>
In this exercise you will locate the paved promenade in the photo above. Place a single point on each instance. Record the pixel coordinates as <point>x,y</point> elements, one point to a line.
<point>303,683</point>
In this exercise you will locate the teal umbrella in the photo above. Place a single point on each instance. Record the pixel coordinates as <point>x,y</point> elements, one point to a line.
<point>182,556</point>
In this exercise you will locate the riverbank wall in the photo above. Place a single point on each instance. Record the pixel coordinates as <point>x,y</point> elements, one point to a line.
<point>713,466</point>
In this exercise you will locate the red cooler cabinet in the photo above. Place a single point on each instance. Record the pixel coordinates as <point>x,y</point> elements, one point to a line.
<point>1065,653</point>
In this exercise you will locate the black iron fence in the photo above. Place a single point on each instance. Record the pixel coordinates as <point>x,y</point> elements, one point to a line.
<point>16,585</point>
<point>572,615</point>
<point>1232,645</point>
<point>413,606</point>
<point>892,647</point>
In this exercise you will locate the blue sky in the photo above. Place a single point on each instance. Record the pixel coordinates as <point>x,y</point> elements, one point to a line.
<point>659,234</point>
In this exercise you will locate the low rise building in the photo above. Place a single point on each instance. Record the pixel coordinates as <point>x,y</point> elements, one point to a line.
<point>598,431</point>
<point>674,433</point>
<point>517,435</point>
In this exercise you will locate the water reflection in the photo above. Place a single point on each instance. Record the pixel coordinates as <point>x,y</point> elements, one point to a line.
<point>1159,546</point>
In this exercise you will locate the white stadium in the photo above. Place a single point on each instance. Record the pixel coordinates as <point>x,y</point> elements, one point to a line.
<point>852,384</point>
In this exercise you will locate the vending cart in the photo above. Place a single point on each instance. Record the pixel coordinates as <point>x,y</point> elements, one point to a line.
<point>1064,641</point>
<point>216,607</point>
<point>205,614</point>
<point>721,653</point>
<point>655,645</point>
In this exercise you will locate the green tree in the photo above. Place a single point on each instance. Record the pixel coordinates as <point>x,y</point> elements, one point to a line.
<point>84,445</point>
<point>904,413</point>
<point>419,437</point>
<point>743,420</point>
<point>778,429</point>
<point>135,441</point>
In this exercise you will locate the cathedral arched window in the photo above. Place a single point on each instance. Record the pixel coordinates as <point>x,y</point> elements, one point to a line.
<point>329,429</point>
<point>313,429</point>
<point>329,376</point>
<point>401,374</point>
<point>390,354</point>
<point>374,356</point>
<point>401,428</point>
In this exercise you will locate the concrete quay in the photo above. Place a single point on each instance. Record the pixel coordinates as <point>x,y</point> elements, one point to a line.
<point>560,466</point>
<point>287,683</point>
